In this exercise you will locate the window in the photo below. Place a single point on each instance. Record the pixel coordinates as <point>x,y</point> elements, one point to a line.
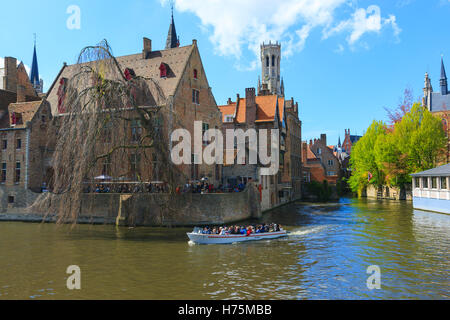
<point>5,144</point>
<point>107,166</point>
<point>330,163</point>
<point>267,61</point>
<point>136,130</point>
<point>135,160</point>
<point>11,199</point>
<point>319,151</point>
<point>443,183</point>
<point>434,183</point>
<point>195,74</point>
<point>17,180</point>
<point>425,183</point>
<point>229,118</point>
<point>273,61</point>
<point>417,182</point>
<point>43,119</point>
<point>331,173</point>
<point>19,144</point>
<point>3,172</point>
<point>195,96</point>
<point>107,132</point>
<point>205,128</point>
<point>163,70</point>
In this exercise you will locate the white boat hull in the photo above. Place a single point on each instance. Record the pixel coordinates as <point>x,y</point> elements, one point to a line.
<point>199,238</point>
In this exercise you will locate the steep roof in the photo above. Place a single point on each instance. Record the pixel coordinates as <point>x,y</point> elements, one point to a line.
<point>442,171</point>
<point>443,75</point>
<point>34,76</point>
<point>266,107</point>
<point>24,112</point>
<point>175,59</point>
<point>440,102</point>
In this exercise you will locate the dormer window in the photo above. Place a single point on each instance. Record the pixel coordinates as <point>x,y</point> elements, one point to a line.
<point>195,74</point>
<point>129,74</point>
<point>163,70</point>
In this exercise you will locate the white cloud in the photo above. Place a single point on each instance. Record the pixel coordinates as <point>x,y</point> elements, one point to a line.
<point>239,25</point>
<point>364,21</point>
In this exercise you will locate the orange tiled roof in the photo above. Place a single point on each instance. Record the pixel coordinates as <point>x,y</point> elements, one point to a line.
<point>265,108</point>
<point>310,154</point>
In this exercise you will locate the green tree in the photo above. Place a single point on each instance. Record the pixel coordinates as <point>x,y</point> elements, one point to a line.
<point>364,161</point>
<point>390,155</point>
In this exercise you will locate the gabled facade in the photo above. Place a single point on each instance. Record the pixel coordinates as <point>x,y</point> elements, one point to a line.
<point>177,84</point>
<point>320,162</point>
<point>349,142</point>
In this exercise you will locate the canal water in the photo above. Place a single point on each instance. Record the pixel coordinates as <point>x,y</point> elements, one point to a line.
<point>326,257</point>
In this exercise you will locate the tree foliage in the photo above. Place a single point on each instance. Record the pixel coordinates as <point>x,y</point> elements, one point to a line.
<point>389,156</point>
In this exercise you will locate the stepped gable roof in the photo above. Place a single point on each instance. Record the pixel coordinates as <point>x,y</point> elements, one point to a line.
<point>442,171</point>
<point>161,88</point>
<point>266,107</point>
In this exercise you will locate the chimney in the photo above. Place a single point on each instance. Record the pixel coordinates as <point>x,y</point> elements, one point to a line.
<point>250,105</point>
<point>310,142</point>
<point>10,75</point>
<point>304,152</point>
<point>147,48</point>
<point>194,42</point>
<point>229,101</point>
<point>21,94</point>
<point>323,138</point>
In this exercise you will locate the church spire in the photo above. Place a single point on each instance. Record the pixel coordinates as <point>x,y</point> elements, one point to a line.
<point>34,76</point>
<point>443,82</point>
<point>172,39</point>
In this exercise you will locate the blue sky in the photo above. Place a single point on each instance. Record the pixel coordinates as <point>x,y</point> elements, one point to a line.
<point>344,60</point>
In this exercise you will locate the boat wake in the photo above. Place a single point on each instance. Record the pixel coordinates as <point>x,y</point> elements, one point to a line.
<point>306,231</point>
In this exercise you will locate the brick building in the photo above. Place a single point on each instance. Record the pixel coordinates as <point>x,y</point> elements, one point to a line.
<point>268,109</point>
<point>24,119</point>
<point>349,141</point>
<point>177,84</point>
<point>320,162</point>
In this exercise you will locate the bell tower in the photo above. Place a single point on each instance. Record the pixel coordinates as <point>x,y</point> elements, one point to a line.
<point>271,67</point>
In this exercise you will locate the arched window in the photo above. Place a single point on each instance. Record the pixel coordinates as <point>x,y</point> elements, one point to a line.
<point>267,61</point>
<point>273,61</point>
<point>195,74</point>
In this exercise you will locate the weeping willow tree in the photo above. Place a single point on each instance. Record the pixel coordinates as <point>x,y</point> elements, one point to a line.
<point>112,123</point>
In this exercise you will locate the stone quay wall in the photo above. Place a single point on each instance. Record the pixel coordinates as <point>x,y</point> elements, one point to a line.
<point>152,209</point>
<point>389,193</point>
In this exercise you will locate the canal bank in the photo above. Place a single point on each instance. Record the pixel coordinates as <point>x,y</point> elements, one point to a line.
<point>146,209</point>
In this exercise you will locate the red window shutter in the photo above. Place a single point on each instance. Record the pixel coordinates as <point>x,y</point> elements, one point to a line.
<point>163,70</point>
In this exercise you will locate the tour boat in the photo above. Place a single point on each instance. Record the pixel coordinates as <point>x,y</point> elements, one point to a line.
<point>199,238</point>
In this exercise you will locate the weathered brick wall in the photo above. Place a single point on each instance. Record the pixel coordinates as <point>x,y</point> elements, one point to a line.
<point>186,112</point>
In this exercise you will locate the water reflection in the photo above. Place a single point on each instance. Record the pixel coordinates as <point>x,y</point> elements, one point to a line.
<point>325,257</point>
